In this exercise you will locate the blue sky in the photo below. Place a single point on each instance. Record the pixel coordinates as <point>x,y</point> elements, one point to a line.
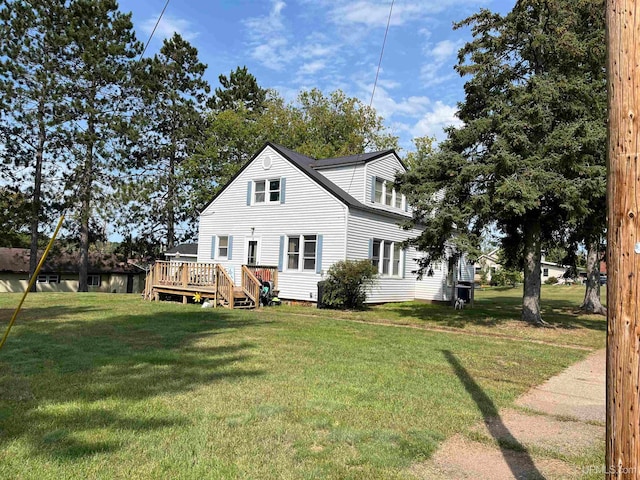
<point>291,45</point>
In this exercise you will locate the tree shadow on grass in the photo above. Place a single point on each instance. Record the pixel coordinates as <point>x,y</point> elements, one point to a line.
<point>514,453</point>
<point>496,311</point>
<point>63,381</point>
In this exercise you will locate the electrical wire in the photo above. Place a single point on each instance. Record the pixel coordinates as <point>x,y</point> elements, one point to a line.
<point>154,30</point>
<point>384,41</point>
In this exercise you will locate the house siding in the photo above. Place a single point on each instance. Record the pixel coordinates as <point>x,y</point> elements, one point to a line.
<point>308,210</point>
<point>364,226</point>
<point>386,168</point>
<point>350,178</point>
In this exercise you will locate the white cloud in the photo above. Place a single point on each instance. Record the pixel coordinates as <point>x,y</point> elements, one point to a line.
<point>375,13</point>
<point>268,38</point>
<point>442,58</point>
<point>434,121</point>
<point>311,67</point>
<point>271,43</point>
<point>168,26</point>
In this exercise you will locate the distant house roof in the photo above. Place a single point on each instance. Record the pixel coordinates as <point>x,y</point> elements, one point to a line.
<point>188,249</point>
<point>16,260</point>
<point>308,166</point>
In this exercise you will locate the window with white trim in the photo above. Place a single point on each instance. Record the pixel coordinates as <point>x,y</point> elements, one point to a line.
<point>387,257</point>
<point>397,253</point>
<point>267,191</point>
<point>223,246</point>
<point>302,252</point>
<point>93,280</point>
<point>545,272</point>
<point>385,194</point>
<point>309,253</point>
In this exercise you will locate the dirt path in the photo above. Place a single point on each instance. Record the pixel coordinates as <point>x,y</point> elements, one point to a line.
<point>561,421</point>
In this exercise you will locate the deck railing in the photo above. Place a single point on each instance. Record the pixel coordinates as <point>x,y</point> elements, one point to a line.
<point>266,273</point>
<point>186,274</point>
<point>225,286</point>
<point>250,285</point>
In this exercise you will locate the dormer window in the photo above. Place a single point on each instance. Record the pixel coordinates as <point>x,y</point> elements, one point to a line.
<point>383,192</point>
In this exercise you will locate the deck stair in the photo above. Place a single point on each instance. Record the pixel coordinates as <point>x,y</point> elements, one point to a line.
<point>210,281</point>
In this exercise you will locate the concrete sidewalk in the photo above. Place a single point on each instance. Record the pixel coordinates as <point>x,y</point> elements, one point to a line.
<point>565,418</point>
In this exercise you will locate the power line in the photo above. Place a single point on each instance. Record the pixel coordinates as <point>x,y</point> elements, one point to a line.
<point>384,41</point>
<point>154,30</point>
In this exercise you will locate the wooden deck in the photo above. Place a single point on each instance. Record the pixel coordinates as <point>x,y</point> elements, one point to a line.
<point>210,280</point>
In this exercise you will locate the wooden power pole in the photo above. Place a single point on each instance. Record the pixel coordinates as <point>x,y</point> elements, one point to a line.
<point>623,240</point>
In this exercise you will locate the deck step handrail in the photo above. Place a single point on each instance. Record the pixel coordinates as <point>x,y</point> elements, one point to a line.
<point>225,285</point>
<point>265,273</point>
<point>251,285</point>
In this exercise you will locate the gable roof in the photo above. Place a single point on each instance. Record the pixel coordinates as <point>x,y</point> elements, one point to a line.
<point>16,260</point>
<point>353,159</point>
<point>190,249</point>
<point>307,165</point>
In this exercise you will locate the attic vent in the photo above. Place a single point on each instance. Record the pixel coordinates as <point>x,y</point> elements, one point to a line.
<point>266,162</point>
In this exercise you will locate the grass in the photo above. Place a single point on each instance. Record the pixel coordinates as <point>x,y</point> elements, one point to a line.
<point>109,386</point>
<point>496,312</point>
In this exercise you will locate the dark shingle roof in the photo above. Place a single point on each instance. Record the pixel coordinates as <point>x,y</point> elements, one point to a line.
<point>184,249</point>
<point>308,165</point>
<point>351,159</point>
<point>16,260</point>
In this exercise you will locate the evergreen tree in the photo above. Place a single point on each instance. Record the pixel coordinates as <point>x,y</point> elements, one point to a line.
<point>32,94</point>
<point>102,47</point>
<point>528,150</point>
<point>172,125</point>
<point>240,90</point>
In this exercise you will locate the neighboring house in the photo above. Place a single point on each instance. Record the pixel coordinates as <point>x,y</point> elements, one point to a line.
<point>302,215</point>
<point>60,273</point>
<point>490,263</point>
<point>185,252</point>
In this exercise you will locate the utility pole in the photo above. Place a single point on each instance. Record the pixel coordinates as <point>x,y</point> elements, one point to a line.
<point>623,240</point>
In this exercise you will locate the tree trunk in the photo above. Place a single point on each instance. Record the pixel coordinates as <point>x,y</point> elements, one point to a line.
<point>591,303</point>
<point>85,208</point>
<point>171,191</point>
<point>532,255</point>
<point>37,191</point>
<point>623,241</point>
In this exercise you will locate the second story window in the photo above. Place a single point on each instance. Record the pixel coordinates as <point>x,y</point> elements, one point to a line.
<point>267,191</point>
<point>382,192</point>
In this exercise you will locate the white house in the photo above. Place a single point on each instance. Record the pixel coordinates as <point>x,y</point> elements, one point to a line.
<point>302,215</point>
<point>489,263</point>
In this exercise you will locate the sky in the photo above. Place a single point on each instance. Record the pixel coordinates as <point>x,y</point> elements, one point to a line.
<point>294,45</point>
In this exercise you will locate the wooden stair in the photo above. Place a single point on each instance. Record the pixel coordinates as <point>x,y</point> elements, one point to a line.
<point>241,300</point>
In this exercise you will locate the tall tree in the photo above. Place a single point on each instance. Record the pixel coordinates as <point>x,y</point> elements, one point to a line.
<point>172,124</point>
<point>32,43</point>
<point>331,126</point>
<point>239,90</point>
<point>315,125</point>
<point>530,93</point>
<point>102,47</point>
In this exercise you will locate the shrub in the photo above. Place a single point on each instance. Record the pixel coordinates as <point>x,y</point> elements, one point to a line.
<point>504,277</point>
<point>347,282</point>
<point>551,281</point>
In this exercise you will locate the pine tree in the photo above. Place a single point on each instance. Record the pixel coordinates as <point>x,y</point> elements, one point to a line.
<point>102,48</point>
<point>32,92</point>
<point>240,90</point>
<point>171,126</point>
<point>528,149</point>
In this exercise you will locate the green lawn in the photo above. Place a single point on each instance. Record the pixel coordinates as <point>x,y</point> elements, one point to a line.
<point>109,386</point>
